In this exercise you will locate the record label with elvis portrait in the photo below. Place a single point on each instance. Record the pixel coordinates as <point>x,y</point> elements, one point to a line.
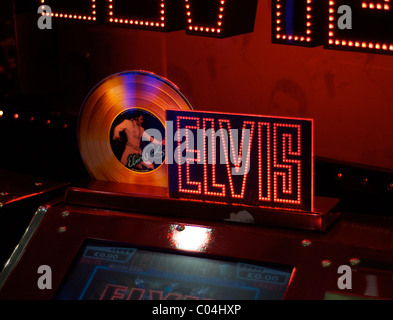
<point>136,136</point>
<point>121,129</point>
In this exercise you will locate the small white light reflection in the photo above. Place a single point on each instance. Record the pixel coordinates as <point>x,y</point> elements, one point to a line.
<point>190,238</point>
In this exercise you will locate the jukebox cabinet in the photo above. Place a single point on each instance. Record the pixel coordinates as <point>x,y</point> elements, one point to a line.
<point>191,205</point>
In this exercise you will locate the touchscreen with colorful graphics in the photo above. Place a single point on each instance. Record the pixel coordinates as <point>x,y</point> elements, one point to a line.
<point>112,272</point>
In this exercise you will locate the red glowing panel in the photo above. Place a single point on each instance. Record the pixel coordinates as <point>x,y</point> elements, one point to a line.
<point>240,159</point>
<point>219,18</point>
<point>84,10</point>
<point>297,22</point>
<point>369,29</point>
<point>159,15</point>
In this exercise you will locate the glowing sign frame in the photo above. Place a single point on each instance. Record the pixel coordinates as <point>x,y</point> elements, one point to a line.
<point>283,28</point>
<point>86,16</point>
<point>169,17</point>
<point>264,161</point>
<point>233,17</point>
<point>355,40</point>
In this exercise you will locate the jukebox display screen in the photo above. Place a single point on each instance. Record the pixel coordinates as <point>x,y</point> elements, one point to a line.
<point>104,271</point>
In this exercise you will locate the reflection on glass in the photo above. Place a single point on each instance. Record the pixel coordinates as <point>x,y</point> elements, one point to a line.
<point>190,238</point>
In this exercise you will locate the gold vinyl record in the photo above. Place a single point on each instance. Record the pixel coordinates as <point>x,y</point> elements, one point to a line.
<point>121,121</point>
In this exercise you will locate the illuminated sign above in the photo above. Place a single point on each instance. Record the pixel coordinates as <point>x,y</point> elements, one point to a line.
<point>73,9</point>
<point>219,18</point>
<point>240,159</point>
<point>354,25</point>
<point>213,18</point>
<point>369,27</point>
<point>297,22</point>
<point>162,15</point>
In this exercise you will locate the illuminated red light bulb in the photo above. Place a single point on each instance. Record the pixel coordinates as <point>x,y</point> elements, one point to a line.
<point>69,15</point>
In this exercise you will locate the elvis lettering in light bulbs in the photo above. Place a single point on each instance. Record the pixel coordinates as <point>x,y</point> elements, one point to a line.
<point>242,159</point>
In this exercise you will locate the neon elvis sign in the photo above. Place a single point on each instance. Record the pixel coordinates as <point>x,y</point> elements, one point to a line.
<point>240,159</point>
